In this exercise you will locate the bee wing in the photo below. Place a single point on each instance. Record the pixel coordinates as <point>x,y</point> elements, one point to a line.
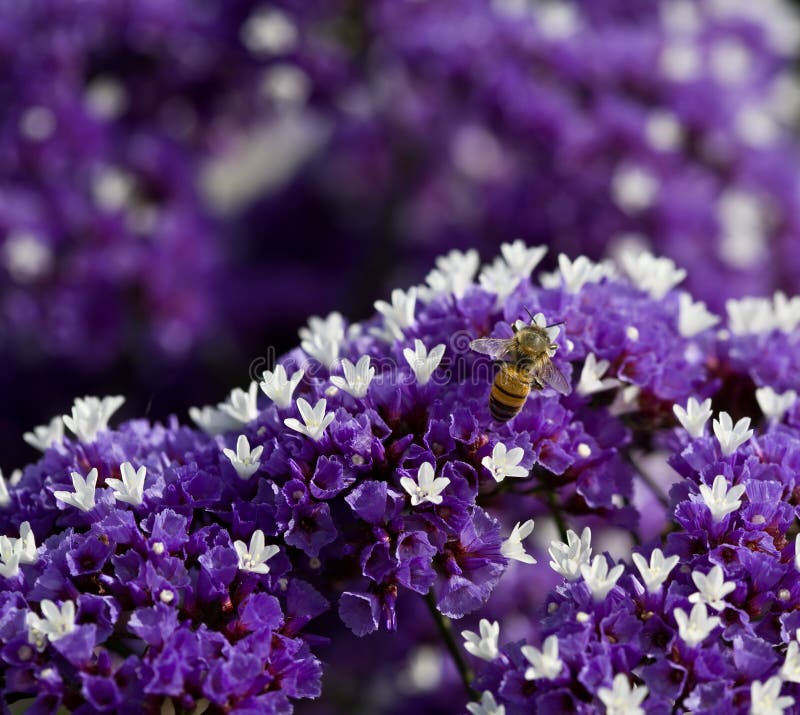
<point>496,348</point>
<point>546,373</point>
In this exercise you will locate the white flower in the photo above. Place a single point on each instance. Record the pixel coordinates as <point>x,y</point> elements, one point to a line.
<point>244,460</point>
<point>504,462</point>
<point>574,274</point>
<point>522,259</point>
<point>625,400</point>
<point>255,558</point>
<point>269,31</point>
<point>90,415</point>
<point>453,273</point>
<point>26,544</point>
<point>512,547</point>
<point>720,500</point>
<point>634,188</point>
<point>663,130</point>
<point>356,377</point>
<point>487,706</point>
<point>694,318</point>
<point>766,698</point>
<point>711,588</point>
<point>696,627</point>
<point>278,387</point>
<point>568,558</point>
<point>786,312</point>
<point>657,571</point>
<point>598,578</point>
<point>544,663</point>
<point>790,670</point>
<point>483,646</point>
<point>9,557</point>
<point>621,699</point>
<point>212,420</point>
<point>499,279</point>
<point>242,406</point>
<point>730,436</point>
<point>83,496</point>
<point>130,488</point>
<point>750,316</point>
<point>657,276</point>
<point>694,417</point>
<point>426,488</point>
<point>397,316</point>
<point>775,405</point>
<point>5,497</point>
<point>57,622</point>
<point>323,338</point>
<point>593,370</point>
<point>45,436</point>
<point>422,362</point>
<point>315,421</point>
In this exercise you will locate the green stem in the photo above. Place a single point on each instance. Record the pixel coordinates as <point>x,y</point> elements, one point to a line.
<point>649,481</point>
<point>443,625</point>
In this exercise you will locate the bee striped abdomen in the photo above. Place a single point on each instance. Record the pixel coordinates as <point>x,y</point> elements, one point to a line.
<point>509,392</point>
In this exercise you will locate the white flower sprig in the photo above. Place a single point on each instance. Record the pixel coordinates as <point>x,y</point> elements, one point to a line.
<point>711,588</point>
<point>504,462</point>
<point>775,405</point>
<point>315,420</point>
<point>323,338</point>
<point>696,627</point>
<point>422,362</point>
<point>57,623</point>
<point>512,547</point>
<point>656,572</point>
<point>398,315</point>
<point>487,706</point>
<point>591,374</point>
<point>694,417</point>
<point>657,276</point>
<point>730,436</point>
<point>720,500</point>
<point>256,556</point>
<point>599,579</point>
<point>90,415</point>
<point>621,699</point>
<point>130,488</point>
<point>790,670</point>
<point>45,436</point>
<point>244,460</point>
<point>83,496</point>
<point>427,488</point>
<point>9,557</point>
<point>693,318</point>
<point>766,698</point>
<point>453,274</point>
<point>278,387</point>
<point>483,646</point>
<point>545,663</point>
<point>212,420</point>
<point>241,406</point>
<point>568,558</point>
<point>575,274</point>
<point>356,378</point>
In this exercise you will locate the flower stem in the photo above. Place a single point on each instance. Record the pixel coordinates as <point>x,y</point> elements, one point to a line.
<point>444,626</point>
<point>558,517</point>
<point>649,482</point>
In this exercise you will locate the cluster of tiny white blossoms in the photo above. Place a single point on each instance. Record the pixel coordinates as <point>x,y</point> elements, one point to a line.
<point>88,417</point>
<point>592,373</point>
<point>729,436</point>
<point>427,488</point>
<point>57,623</point>
<point>516,263</point>
<point>255,556</point>
<point>760,316</point>
<point>16,551</point>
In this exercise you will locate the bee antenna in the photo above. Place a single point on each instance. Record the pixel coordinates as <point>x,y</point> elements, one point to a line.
<point>553,325</point>
<point>529,313</point>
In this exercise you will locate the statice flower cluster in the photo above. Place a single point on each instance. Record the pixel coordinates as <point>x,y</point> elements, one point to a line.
<point>364,472</point>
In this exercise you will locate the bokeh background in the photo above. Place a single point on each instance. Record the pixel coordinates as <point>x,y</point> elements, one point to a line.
<point>184,182</point>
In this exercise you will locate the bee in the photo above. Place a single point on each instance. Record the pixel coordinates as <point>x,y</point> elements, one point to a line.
<point>525,365</point>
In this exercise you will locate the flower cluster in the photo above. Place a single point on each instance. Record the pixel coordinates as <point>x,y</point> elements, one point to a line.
<point>140,579</point>
<point>365,470</point>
